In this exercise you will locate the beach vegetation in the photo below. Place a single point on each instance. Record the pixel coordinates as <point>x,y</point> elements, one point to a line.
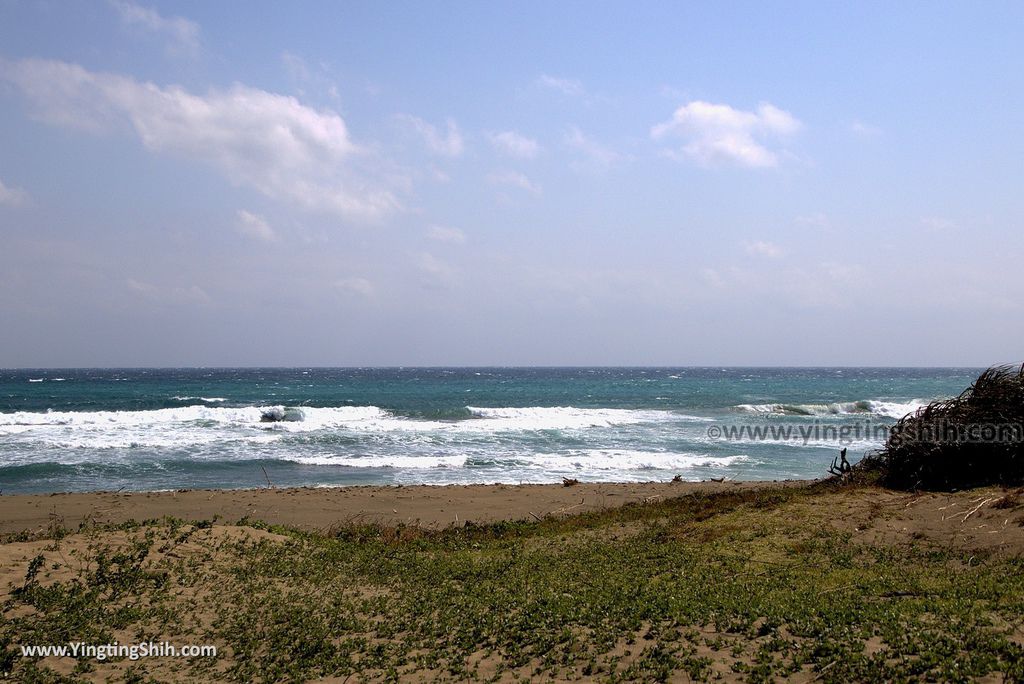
<point>752,584</point>
<point>974,439</point>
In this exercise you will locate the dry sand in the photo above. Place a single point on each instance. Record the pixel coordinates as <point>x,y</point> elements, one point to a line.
<point>322,508</point>
<point>988,520</point>
<point>978,519</point>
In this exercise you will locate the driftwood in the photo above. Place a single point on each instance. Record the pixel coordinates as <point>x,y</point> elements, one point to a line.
<point>840,466</point>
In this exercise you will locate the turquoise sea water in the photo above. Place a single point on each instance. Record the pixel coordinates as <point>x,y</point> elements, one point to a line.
<point>81,430</point>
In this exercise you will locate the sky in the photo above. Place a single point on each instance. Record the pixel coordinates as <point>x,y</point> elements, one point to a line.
<point>510,183</point>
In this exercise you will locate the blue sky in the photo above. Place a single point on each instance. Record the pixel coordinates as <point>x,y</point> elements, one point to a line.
<point>522,183</point>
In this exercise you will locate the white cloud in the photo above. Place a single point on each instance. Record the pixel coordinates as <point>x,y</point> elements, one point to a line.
<point>595,156</point>
<point>864,130</point>
<point>843,273</point>
<point>296,67</point>
<point>818,220</point>
<point>182,34</point>
<point>713,278</point>
<point>359,286</point>
<point>254,226</point>
<point>170,295</point>
<point>937,224</point>
<point>12,197</point>
<point>718,133</point>
<point>514,144</point>
<point>448,144</point>
<point>515,179</point>
<point>762,248</point>
<point>270,142</point>
<point>445,234</point>
<point>437,273</point>
<point>305,79</point>
<point>566,86</point>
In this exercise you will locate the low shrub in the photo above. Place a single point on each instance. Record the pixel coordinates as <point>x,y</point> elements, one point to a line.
<point>973,440</point>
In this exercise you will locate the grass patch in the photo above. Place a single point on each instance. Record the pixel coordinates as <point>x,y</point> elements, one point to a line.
<point>752,585</point>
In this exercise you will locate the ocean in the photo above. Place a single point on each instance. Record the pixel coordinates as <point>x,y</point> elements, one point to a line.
<point>159,429</point>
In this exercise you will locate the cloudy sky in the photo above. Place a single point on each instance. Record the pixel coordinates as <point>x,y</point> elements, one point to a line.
<point>522,183</point>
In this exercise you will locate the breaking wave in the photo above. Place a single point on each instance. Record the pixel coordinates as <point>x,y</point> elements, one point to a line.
<point>192,425</point>
<point>566,417</point>
<point>865,407</point>
<point>576,460</point>
<point>629,459</point>
<point>417,462</point>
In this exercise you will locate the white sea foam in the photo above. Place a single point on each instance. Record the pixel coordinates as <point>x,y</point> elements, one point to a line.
<point>895,409</point>
<point>485,420</point>
<point>187,426</point>
<point>629,459</point>
<point>563,417</point>
<point>334,417</point>
<point>201,425</point>
<point>795,440</point>
<point>136,439</point>
<point>36,379</point>
<point>209,400</point>
<point>404,462</point>
<point>355,417</point>
<point>249,415</point>
<point>14,429</point>
<point>867,407</point>
<point>576,460</point>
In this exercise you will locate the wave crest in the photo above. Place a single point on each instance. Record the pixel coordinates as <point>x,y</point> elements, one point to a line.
<point>867,407</point>
<point>561,417</point>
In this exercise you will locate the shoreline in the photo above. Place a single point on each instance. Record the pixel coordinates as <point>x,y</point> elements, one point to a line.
<point>321,508</point>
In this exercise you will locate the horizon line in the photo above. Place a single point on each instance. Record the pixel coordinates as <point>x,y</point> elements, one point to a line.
<point>497,366</point>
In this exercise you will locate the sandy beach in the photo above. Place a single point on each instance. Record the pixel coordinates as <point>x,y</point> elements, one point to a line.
<point>702,581</point>
<point>310,508</point>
